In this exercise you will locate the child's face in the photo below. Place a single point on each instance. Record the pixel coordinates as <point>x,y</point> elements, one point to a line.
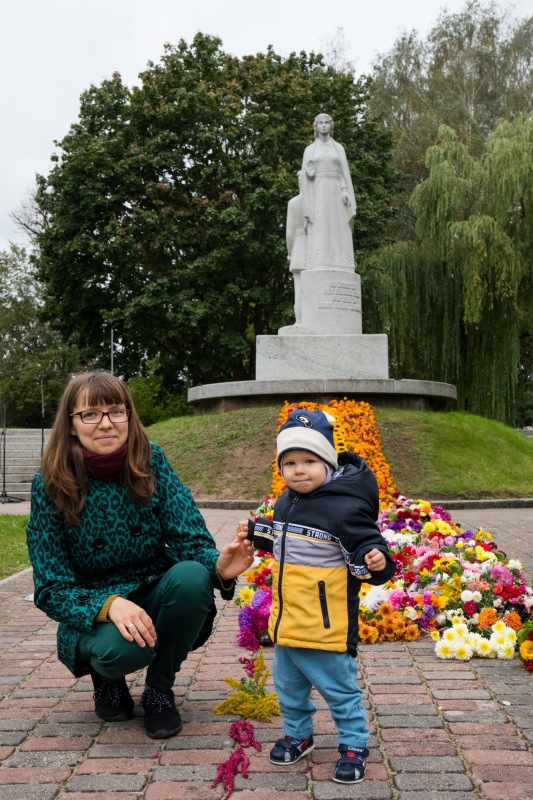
<point>303,471</point>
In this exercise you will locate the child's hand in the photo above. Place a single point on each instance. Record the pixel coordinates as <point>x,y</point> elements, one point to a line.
<point>242,529</point>
<point>375,560</point>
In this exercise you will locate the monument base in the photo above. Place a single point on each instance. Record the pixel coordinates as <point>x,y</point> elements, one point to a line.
<point>335,356</point>
<point>416,395</point>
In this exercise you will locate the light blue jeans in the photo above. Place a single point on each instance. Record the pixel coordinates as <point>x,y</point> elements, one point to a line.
<point>297,670</point>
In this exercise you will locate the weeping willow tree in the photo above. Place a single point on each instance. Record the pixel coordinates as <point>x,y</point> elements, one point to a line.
<point>457,301</point>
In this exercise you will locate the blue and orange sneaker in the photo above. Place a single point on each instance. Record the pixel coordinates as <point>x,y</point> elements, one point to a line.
<point>351,764</point>
<point>290,750</point>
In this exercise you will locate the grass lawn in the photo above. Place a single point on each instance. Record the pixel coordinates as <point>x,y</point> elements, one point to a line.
<point>14,554</point>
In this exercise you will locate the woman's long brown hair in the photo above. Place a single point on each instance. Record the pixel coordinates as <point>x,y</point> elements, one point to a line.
<point>63,470</point>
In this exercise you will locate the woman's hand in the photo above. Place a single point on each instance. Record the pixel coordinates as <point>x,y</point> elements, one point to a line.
<point>132,621</point>
<point>375,560</point>
<point>235,557</point>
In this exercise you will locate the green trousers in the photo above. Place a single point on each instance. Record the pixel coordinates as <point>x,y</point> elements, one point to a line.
<point>179,604</point>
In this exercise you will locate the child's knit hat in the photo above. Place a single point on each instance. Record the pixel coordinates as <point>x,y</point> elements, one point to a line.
<point>311,431</point>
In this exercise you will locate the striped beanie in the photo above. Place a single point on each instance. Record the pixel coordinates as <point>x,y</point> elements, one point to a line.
<point>311,431</point>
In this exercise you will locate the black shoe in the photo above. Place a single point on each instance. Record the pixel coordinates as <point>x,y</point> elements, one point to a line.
<point>351,764</point>
<point>112,699</point>
<point>290,750</point>
<point>161,717</point>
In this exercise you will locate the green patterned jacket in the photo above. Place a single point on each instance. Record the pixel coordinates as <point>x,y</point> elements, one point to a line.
<point>117,547</point>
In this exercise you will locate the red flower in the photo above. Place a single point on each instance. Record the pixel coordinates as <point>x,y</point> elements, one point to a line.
<point>528,665</point>
<point>470,607</point>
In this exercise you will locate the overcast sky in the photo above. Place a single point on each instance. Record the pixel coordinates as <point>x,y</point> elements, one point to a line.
<point>53,50</point>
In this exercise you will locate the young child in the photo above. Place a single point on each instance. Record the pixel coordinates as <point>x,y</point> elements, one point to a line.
<point>325,541</point>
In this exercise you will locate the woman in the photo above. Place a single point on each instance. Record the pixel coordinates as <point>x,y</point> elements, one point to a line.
<point>121,555</point>
<point>328,201</point>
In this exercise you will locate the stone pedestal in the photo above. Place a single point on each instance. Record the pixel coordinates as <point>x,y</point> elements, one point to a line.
<point>342,356</point>
<point>330,302</point>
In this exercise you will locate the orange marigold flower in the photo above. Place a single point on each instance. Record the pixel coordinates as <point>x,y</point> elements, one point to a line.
<point>368,634</point>
<point>512,619</point>
<point>487,617</point>
<point>412,632</point>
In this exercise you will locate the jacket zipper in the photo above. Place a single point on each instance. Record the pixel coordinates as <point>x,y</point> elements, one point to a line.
<point>323,603</point>
<point>281,565</point>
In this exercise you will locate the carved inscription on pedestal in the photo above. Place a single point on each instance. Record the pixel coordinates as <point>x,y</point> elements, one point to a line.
<point>341,295</point>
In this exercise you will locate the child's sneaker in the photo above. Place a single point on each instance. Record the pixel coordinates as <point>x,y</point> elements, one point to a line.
<point>351,764</point>
<point>289,750</point>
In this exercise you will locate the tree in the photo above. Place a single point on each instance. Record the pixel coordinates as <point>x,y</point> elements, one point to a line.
<point>458,300</point>
<point>166,206</point>
<point>28,347</point>
<point>474,69</point>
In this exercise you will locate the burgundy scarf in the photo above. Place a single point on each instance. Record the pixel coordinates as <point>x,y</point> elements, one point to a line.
<point>107,467</point>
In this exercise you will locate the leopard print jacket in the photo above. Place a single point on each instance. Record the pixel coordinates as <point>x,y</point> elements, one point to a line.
<point>117,547</point>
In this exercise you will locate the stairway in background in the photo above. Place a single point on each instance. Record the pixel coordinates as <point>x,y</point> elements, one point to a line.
<point>22,459</point>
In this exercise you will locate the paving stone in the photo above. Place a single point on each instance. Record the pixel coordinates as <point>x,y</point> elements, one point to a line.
<point>186,772</point>
<point>409,721</point>
<point>25,792</point>
<point>12,737</point>
<point>273,781</point>
<point>106,783</point>
<point>205,742</point>
<point>125,750</point>
<point>18,724</point>
<point>463,694</point>
<point>76,729</point>
<point>47,758</point>
<point>438,796</point>
<point>433,764</point>
<point>394,680</point>
<point>423,711</point>
<point>433,782</point>
<point>56,691</point>
<point>367,790</point>
<point>452,675</point>
<point>475,716</point>
<point>510,791</point>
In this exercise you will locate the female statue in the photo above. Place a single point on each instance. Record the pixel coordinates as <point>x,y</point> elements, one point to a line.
<point>328,201</point>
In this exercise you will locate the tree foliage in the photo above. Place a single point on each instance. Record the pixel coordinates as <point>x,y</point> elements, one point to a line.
<point>29,348</point>
<point>474,69</point>
<point>458,300</point>
<point>165,210</point>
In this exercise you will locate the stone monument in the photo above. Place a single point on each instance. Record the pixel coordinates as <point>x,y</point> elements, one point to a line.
<point>324,354</point>
<point>326,339</point>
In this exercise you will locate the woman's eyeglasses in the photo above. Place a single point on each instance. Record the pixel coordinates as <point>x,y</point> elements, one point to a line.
<point>95,417</point>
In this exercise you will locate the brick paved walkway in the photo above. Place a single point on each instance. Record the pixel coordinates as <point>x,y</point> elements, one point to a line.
<point>440,730</point>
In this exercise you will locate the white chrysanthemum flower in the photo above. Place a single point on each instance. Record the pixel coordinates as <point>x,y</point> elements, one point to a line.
<point>443,649</point>
<point>466,595</point>
<point>497,602</point>
<point>484,648</point>
<point>498,639</point>
<point>410,613</point>
<point>505,650</point>
<point>440,619</point>
<point>461,630</point>
<point>514,563</point>
<point>499,627</point>
<point>449,635</point>
<point>510,635</point>
<point>462,651</point>
<point>457,619</point>
<point>477,596</point>
<point>474,619</point>
<point>375,597</point>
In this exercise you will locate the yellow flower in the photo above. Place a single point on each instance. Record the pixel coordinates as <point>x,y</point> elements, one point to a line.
<point>246,595</point>
<point>435,634</point>
<point>526,650</point>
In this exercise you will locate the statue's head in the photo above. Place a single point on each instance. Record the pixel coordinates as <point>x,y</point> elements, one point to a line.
<point>323,118</point>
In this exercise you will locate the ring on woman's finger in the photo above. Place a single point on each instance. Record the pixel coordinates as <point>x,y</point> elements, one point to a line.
<point>131,626</point>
